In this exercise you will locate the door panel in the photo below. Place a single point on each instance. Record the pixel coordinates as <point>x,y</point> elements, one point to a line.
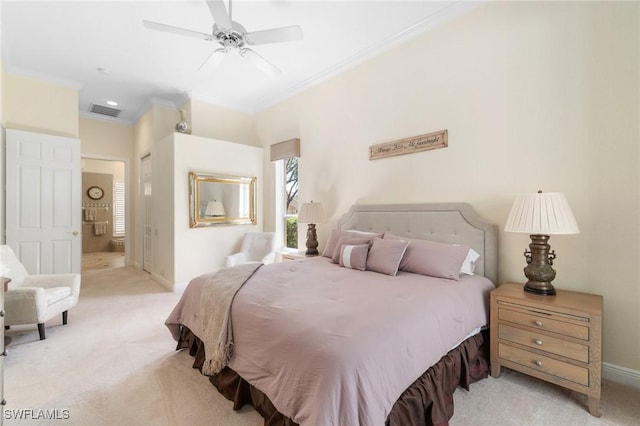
<point>43,201</point>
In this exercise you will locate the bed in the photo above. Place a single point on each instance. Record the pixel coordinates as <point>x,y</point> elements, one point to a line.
<point>319,343</point>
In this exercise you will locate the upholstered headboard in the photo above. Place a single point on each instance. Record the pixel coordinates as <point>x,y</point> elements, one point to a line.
<point>443,222</point>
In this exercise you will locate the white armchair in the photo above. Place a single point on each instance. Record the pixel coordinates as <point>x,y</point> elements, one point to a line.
<point>256,247</point>
<point>34,299</point>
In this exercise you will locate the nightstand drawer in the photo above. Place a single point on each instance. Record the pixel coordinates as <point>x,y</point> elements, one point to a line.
<point>544,364</point>
<point>544,321</point>
<point>544,343</point>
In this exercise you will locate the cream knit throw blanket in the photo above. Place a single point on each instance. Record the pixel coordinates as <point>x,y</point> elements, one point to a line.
<point>217,296</point>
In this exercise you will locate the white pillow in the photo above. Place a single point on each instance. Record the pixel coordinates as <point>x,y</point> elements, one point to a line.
<point>469,263</point>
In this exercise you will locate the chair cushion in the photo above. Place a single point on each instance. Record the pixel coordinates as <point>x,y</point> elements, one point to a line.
<point>56,294</point>
<point>257,245</point>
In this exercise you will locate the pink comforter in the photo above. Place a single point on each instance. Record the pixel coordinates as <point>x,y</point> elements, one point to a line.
<point>335,346</point>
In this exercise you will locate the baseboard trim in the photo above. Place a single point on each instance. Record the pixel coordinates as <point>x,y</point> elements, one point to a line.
<point>622,375</point>
<point>163,282</point>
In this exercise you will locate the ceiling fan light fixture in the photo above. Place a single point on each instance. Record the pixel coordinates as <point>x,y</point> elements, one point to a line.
<point>233,37</point>
<point>259,62</point>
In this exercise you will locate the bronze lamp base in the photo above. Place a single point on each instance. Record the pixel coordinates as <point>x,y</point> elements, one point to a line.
<point>312,241</point>
<point>538,269</point>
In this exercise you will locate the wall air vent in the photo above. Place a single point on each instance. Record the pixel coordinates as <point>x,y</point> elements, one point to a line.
<point>104,110</point>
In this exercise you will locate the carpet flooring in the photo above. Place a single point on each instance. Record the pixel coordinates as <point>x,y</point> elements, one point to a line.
<point>115,364</point>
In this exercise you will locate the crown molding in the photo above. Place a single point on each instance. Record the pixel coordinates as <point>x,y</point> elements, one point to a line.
<point>439,18</point>
<point>240,107</point>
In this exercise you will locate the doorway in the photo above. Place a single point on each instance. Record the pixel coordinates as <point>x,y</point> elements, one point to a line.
<point>104,214</point>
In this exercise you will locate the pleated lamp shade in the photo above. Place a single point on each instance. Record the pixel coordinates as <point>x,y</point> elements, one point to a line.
<point>214,208</point>
<point>310,213</point>
<point>543,213</point>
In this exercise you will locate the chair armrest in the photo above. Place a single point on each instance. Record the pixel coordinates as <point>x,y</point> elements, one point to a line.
<point>269,258</point>
<point>25,305</point>
<point>235,259</point>
<point>54,280</point>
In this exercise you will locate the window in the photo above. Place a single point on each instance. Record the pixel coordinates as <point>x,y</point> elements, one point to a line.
<point>285,158</point>
<point>118,209</point>
<point>291,202</point>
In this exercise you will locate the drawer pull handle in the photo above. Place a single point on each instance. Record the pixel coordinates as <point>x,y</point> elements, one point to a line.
<point>538,323</point>
<point>538,363</point>
<point>539,342</point>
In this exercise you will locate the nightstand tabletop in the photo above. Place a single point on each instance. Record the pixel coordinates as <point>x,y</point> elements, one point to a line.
<point>573,300</point>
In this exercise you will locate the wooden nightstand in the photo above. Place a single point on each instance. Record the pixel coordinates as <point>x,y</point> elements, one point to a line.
<point>295,255</point>
<point>554,338</point>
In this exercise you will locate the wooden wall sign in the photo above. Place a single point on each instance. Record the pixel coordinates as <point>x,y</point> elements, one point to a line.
<point>424,142</point>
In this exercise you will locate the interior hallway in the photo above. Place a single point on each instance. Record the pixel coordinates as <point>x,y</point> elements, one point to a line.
<point>102,260</point>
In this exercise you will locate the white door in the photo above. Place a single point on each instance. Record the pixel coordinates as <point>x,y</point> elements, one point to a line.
<point>43,185</point>
<point>147,247</point>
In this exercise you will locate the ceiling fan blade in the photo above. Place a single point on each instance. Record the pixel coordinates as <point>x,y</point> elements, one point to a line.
<point>175,30</point>
<point>216,57</point>
<point>220,14</point>
<point>260,62</point>
<point>275,35</point>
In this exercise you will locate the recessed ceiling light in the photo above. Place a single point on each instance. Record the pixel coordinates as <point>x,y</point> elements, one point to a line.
<point>112,103</point>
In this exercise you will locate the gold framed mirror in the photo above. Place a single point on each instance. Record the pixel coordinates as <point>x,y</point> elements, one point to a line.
<point>221,200</point>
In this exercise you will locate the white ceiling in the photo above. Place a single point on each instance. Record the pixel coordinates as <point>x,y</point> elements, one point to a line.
<point>68,41</point>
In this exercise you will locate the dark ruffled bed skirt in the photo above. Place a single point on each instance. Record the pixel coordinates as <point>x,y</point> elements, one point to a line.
<point>428,401</point>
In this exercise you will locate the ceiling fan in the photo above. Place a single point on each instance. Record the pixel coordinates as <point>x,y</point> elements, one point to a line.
<point>233,37</point>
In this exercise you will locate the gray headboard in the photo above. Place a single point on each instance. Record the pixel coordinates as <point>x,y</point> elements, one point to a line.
<point>443,222</point>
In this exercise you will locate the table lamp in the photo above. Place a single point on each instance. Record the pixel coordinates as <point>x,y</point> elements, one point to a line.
<point>215,209</point>
<point>541,215</point>
<point>311,213</point>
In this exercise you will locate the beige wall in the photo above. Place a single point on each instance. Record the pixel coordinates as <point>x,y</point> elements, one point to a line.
<point>106,138</point>
<point>534,96</point>
<point>154,125</point>
<point>211,121</point>
<point>115,168</point>
<point>39,106</point>
<point>180,252</point>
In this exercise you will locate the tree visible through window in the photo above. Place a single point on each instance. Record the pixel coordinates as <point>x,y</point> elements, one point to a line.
<point>291,201</point>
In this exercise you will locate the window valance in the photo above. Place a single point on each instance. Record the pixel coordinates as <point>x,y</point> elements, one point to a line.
<point>286,149</point>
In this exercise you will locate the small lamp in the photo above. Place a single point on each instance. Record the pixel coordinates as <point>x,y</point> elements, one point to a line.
<point>214,208</point>
<point>311,213</point>
<point>541,215</point>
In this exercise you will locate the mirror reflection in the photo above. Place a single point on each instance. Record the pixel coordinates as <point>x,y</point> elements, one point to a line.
<point>221,200</point>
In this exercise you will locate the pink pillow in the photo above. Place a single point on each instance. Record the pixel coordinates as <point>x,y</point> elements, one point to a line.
<point>330,248</point>
<point>348,239</point>
<point>354,257</point>
<point>385,255</point>
<point>432,258</point>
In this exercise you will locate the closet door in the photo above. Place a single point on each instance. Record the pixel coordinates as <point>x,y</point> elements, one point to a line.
<point>43,185</point>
